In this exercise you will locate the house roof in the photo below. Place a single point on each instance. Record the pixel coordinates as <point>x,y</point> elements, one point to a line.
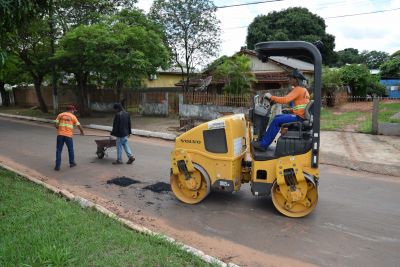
<point>287,61</point>
<point>294,63</point>
<point>174,70</point>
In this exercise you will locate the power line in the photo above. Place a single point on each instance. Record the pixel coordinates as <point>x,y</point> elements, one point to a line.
<point>335,17</point>
<point>250,3</point>
<point>365,13</point>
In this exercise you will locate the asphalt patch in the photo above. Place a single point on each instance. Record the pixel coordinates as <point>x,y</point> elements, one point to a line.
<point>122,181</point>
<point>159,187</point>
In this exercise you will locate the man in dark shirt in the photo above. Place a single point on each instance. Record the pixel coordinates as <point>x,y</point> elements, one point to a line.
<point>121,130</point>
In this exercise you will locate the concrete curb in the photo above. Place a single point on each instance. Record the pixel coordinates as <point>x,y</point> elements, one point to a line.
<point>161,135</point>
<point>345,162</point>
<point>326,157</point>
<point>138,228</point>
<point>138,132</point>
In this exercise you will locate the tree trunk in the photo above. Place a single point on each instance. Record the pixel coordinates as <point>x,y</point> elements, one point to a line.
<point>82,94</point>
<point>53,68</point>
<point>5,98</point>
<point>37,81</point>
<point>120,93</point>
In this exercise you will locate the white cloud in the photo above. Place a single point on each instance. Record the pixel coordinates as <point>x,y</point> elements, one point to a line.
<point>367,32</point>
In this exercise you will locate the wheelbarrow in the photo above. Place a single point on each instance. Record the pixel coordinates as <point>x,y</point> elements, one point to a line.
<point>103,145</point>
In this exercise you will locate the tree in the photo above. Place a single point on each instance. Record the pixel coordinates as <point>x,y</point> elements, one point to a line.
<point>359,79</point>
<point>192,31</point>
<point>64,15</point>
<point>391,68</point>
<point>292,24</point>
<point>137,50</point>
<point>330,80</point>
<point>373,59</point>
<point>32,46</point>
<point>347,56</point>
<point>10,73</point>
<point>116,52</point>
<point>236,73</point>
<point>15,15</point>
<point>395,55</point>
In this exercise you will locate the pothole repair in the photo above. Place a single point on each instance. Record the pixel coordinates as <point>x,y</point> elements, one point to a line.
<point>159,187</point>
<point>122,181</point>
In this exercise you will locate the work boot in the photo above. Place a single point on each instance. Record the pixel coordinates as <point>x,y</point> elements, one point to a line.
<point>56,168</point>
<point>258,146</point>
<point>72,165</point>
<point>130,160</point>
<point>117,162</point>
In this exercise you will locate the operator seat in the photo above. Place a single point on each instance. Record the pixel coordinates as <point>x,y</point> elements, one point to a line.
<point>306,124</point>
<point>298,139</point>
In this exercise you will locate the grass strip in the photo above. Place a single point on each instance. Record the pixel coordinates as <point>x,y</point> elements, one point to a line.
<point>38,228</point>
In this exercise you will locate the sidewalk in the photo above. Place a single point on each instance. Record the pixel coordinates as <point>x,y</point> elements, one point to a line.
<point>372,153</point>
<point>364,152</point>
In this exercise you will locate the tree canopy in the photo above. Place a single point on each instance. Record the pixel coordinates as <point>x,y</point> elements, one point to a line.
<point>15,15</point>
<point>361,81</point>
<point>192,31</point>
<point>347,56</point>
<point>120,54</point>
<point>235,72</point>
<point>292,24</point>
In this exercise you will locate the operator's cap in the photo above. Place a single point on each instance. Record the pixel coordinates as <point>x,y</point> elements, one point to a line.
<point>298,75</point>
<point>71,108</point>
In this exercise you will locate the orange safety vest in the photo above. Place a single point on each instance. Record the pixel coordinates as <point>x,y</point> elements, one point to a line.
<point>66,122</point>
<point>299,95</point>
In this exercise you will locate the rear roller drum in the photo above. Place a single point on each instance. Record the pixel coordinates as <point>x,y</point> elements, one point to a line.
<point>295,209</point>
<point>193,190</point>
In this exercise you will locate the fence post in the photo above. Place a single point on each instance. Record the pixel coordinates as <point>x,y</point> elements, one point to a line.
<point>375,112</point>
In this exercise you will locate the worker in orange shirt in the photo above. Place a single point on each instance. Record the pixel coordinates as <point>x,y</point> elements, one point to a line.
<point>299,95</point>
<point>65,123</point>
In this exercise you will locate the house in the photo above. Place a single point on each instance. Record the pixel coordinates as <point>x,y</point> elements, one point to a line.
<point>392,86</point>
<point>163,78</point>
<point>272,74</point>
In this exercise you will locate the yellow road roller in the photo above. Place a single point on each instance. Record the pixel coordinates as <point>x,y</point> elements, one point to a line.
<point>219,156</point>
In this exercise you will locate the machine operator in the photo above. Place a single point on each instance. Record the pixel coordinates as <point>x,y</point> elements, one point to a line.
<point>299,95</point>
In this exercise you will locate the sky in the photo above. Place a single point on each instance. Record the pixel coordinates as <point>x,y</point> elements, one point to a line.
<point>378,31</point>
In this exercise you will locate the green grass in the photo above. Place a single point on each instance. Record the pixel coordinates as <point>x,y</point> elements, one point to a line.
<point>361,120</point>
<point>38,228</point>
<point>333,122</point>
<point>387,110</point>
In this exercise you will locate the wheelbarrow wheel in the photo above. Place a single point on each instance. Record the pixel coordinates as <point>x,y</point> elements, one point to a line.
<point>100,154</point>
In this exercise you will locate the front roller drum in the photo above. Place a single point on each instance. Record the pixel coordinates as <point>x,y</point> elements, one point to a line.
<point>193,190</point>
<point>299,208</point>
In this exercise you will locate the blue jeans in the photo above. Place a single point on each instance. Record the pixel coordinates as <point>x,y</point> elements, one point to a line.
<point>122,142</point>
<point>60,144</point>
<point>275,126</point>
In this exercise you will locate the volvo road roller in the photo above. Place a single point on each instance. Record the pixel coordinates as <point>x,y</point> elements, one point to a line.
<point>219,156</point>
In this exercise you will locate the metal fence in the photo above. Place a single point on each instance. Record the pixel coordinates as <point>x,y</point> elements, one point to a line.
<point>198,98</point>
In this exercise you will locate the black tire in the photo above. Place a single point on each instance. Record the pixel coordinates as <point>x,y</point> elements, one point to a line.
<point>100,154</point>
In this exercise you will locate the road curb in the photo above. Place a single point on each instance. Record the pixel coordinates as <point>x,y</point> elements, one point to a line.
<point>144,133</point>
<point>357,165</point>
<point>85,203</point>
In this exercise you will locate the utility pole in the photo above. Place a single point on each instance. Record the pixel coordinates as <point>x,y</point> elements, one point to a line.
<point>53,67</point>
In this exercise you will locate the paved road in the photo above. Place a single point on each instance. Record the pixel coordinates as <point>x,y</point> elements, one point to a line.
<point>356,223</point>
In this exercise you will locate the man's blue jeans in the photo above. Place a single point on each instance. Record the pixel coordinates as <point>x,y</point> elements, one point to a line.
<point>60,144</point>
<point>122,142</point>
<point>275,126</point>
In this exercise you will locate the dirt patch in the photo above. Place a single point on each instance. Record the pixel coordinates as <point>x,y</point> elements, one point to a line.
<point>159,187</point>
<point>122,181</point>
